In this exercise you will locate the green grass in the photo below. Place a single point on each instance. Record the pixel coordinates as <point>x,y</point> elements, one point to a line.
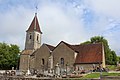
<point>110,74</point>
<point>111,67</point>
<point>97,75</point>
<point>92,75</point>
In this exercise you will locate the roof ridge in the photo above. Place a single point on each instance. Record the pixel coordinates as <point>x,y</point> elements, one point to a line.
<point>70,46</point>
<point>50,46</point>
<point>77,46</point>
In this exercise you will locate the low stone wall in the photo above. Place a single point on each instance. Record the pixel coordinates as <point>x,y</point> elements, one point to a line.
<point>45,78</point>
<point>22,78</point>
<point>41,78</point>
<point>110,78</point>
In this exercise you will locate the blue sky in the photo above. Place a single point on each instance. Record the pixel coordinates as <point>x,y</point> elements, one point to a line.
<point>73,21</point>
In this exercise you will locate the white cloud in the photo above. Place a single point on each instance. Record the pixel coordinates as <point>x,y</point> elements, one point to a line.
<point>106,7</point>
<point>62,20</point>
<point>108,14</point>
<point>14,24</point>
<point>58,25</point>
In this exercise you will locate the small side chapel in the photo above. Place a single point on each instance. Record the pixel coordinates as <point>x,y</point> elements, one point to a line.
<point>63,57</point>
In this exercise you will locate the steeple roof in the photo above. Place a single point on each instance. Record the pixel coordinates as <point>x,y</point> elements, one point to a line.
<point>34,26</point>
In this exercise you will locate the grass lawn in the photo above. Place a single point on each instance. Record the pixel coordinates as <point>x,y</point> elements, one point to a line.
<point>111,67</point>
<point>110,74</point>
<point>92,75</point>
<point>97,75</point>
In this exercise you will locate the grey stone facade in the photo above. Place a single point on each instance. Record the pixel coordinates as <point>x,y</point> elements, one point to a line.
<point>32,43</point>
<point>33,40</point>
<point>63,57</point>
<point>42,56</point>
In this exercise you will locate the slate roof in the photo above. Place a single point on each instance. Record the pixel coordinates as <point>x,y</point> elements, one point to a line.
<point>34,26</point>
<point>89,53</point>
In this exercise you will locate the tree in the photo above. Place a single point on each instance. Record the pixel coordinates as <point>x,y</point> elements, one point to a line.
<point>86,42</point>
<point>118,59</point>
<point>110,56</point>
<point>9,55</point>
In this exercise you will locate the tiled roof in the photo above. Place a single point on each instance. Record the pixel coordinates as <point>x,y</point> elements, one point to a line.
<point>50,47</point>
<point>27,52</point>
<point>89,53</point>
<point>34,26</point>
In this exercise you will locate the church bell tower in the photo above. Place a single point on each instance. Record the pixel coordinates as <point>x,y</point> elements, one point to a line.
<point>33,35</point>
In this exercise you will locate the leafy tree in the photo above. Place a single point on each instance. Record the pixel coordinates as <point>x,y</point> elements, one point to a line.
<point>110,56</point>
<point>114,57</point>
<point>118,59</point>
<point>8,56</point>
<point>87,42</point>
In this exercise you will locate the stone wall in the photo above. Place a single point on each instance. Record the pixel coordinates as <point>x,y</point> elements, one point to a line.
<point>46,78</point>
<point>41,57</point>
<point>85,66</point>
<point>34,42</point>
<point>24,62</point>
<point>110,78</point>
<point>63,51</point>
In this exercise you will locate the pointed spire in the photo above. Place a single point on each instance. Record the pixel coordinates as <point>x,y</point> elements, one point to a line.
<point>34,26</point>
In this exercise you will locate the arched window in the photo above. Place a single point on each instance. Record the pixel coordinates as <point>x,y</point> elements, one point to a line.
<point>37,37</point>
<point>30,36</point>
<point>62,61</point>
<point>43,61</point>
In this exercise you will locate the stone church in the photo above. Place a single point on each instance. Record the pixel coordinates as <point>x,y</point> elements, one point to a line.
<point>66,56</point>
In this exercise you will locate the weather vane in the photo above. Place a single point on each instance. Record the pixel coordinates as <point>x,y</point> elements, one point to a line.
<point>36,7</point>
